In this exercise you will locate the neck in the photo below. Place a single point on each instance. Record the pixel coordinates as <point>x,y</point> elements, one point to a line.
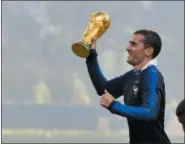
<point>142,64</point>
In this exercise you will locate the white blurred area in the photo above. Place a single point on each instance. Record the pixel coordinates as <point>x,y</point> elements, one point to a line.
<point>81,96</point>
<point>108,63</point>
<point>147,5</point>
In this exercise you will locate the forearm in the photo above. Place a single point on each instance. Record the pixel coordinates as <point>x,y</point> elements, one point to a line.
<point>147,112</point>
<point>97,78</point>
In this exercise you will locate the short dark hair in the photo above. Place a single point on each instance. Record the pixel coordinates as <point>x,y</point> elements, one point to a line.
<point>180,112</point>
<point>152,39</point>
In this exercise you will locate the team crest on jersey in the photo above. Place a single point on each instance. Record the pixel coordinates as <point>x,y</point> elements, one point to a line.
<point>135,90</point>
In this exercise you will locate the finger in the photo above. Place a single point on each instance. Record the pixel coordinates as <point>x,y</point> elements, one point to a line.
<point>93,39</point>
<point>103,95</point>
<point>93,42</point>
<point>106,96</point>
<point>106,92</point>
<point>103,104</point>
<point>104,101</point>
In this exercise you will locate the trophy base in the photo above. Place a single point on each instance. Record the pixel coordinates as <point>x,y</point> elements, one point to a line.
<point>81,49</point>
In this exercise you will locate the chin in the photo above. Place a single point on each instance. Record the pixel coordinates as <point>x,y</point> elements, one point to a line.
<point>132,63</point>
<point>129,62</point>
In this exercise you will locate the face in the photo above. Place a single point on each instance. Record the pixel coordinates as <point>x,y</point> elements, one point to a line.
<point>136,50</point>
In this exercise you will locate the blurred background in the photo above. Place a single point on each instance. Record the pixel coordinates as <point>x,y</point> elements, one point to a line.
<point>47,95</point>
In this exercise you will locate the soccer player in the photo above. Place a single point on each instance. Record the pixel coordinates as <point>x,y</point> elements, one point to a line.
<point>143,89</point>
<point>180,112</point>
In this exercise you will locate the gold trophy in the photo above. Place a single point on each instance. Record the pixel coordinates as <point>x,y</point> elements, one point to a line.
<point>97,26</point>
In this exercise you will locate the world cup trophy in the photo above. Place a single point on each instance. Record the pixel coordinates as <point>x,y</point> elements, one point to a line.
<point>97,26</point>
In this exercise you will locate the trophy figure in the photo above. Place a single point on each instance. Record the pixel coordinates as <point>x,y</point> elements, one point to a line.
<point>97,26</point>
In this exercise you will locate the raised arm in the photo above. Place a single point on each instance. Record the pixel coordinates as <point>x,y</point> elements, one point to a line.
<point>114,86</point>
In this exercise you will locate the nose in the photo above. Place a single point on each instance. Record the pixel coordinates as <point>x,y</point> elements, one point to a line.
<point>129,47</point>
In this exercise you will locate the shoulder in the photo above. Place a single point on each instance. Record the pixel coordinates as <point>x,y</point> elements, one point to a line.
<point>153,71</point>
<point>128,74</point>
<point>125,76</point>
<point>154,77</point>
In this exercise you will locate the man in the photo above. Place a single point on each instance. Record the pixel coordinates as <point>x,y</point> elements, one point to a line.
<point>143,89</point>
<point>180,112</point>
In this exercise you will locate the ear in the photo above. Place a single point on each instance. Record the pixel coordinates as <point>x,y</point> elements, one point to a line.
<point>149,51</point>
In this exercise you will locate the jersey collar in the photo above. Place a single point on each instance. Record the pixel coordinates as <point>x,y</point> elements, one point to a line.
<point>151,62</point>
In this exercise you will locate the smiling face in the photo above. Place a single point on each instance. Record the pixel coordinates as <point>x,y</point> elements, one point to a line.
<point>137,50</point>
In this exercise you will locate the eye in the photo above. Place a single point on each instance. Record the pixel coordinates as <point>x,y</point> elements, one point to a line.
<point>133,43</point>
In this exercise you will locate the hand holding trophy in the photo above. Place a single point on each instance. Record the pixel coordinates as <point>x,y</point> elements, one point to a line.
<point>97,26</point>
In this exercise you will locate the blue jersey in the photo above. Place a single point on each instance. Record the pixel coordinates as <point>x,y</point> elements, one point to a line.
<point>144,100</point>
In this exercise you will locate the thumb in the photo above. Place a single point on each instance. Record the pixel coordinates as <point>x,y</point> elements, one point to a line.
<point>93,40</point>
<point>106,92</point>
<point>93,43</point>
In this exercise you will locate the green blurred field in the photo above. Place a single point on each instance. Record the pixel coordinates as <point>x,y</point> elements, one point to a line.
<point>75,136</point>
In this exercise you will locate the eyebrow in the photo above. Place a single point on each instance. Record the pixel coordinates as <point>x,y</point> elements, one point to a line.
<point>132,43</point>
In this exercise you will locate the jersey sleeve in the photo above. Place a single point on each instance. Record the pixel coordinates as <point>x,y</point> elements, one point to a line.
<point>114,86</point>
